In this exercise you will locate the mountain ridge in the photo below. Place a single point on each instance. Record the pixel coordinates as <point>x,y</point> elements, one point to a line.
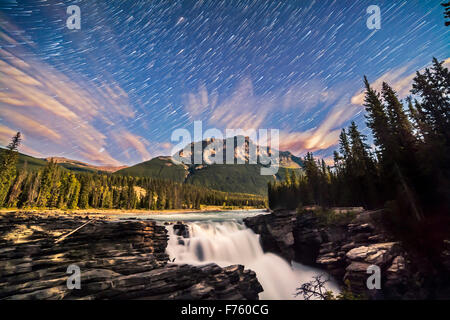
<point>243,177</point>
<point>67,162</point>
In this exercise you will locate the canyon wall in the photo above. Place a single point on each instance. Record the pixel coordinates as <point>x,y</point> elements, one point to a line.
<point>117,260</point>
<point>346,251</point>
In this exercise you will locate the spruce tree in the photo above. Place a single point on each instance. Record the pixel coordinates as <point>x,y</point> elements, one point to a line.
<point>400,126</point>
<point>8,162</point>
<point>433,86</point>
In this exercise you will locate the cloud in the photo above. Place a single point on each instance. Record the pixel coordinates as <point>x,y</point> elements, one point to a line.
<point>325,135</point>
<point>6,135</point>
<point>243,109</point>
<point>160,148</point>
<point>33,127</point>
<point>201,101</point>
<point>131,142</point>
<point>61,113</point>
<point>400,79</point>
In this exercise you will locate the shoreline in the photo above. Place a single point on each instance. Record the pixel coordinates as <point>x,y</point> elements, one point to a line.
<point>118,212</point>
<point>115,261</point>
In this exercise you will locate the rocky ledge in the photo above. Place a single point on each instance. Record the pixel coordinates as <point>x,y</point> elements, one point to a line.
<point>276,230</point>
<point>117,260</point>
<point>346,251</point>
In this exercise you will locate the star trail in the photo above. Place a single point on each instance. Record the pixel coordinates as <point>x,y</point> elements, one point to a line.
<point>114,91</point>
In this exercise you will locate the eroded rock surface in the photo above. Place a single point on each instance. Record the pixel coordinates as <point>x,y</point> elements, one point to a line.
<point>118,260</point>
<point>276,232</point>
<point>345,251</point>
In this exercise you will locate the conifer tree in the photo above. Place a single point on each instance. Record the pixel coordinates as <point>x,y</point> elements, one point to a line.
<point>8,162</point>
<point>433,86</point>
<point>378,121</point>
<point>400,126</point>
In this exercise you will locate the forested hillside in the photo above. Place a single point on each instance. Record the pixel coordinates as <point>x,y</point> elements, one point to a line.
<point>243,178</point>
<point>54,186</point>
<point>408,173</point>
<point>33,163</point>
<point>411,162</point>
<point>161,167</point>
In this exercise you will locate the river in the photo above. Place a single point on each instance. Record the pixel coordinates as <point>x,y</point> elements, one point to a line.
<point>221,237</point>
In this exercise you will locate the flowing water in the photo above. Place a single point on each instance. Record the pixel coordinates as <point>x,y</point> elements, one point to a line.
<point>222,238</point>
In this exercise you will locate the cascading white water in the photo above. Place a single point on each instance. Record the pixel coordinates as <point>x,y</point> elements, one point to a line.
<point>231,242</point>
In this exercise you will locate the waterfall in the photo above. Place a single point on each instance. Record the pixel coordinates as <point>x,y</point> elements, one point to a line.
<point>230,242</point>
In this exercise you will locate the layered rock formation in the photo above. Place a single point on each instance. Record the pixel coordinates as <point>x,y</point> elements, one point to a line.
<point>343,250</point>
<point>118,260</point>
<point>276,232</point>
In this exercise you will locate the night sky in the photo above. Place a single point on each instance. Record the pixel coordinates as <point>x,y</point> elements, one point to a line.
<point>114,91</point>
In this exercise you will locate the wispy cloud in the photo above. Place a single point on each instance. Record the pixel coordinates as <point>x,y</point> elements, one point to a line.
<point>244,109</point>
<point>323,136</point>
<point>60,112</point>
<point>130,142</point>
<point>400,79</point>
<point>326,134</point>
<point>5,138</point>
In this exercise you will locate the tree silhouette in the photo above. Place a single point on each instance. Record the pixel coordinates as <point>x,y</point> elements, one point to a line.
<point>447,12</point>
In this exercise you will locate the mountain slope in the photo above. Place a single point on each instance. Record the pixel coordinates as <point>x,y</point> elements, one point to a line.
<point>160,167</point>
<point>243,178</point>
<point>34,164</point>
<point>75,165</point>
<point>288,160</point>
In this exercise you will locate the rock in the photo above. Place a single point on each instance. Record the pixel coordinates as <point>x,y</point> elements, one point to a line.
<point>181,229</point>
<point>378,254</point>
<point>345,251</point>
<point>118,260</point>
<point>398,265</point>
<point>328,259</point>
<point>275,231</point>
<point>357,267</point>
<point>361,228</point>
<point>359,253</point>
<point>445,255</point>
<point>348,246</point>
<point>398,278</point>
<point>308,238</point>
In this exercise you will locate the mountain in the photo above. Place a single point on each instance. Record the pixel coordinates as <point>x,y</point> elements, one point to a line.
<point>242,178</point>
<point>160,167</point>
<point>33,164</point>
<point>75,165</point>
<point>211,148</point>
<point>288,160</point>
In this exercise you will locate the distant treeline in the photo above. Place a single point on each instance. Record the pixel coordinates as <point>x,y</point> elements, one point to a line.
<point>409,170</point>
<point>56,187</point>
